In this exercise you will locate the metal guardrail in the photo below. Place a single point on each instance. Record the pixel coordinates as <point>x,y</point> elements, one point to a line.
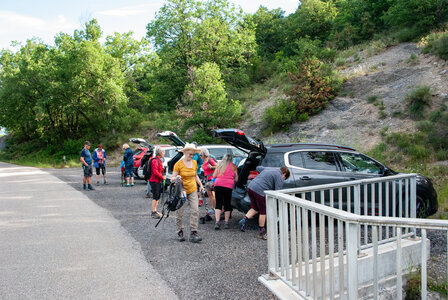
<point>315,246</point>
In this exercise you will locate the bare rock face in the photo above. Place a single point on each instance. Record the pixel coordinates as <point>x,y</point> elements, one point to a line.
<point>350,119</point>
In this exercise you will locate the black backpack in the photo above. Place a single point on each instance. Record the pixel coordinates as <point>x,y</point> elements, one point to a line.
<point>175,199</point>
<point>147,169</point>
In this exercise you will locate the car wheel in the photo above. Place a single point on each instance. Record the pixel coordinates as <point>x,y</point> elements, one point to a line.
<point>422,207</point>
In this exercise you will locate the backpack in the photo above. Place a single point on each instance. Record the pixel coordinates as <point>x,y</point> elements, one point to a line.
<point>147,169</point>
<point>176,198</point>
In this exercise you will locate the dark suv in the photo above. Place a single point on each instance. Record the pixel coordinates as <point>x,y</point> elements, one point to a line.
<point>314,164</point>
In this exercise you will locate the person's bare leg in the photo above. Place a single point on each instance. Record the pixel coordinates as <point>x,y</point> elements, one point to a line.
<point>251,213</point>
<point>226,216</point>
<point>217,215</point>
<point>261,220</point>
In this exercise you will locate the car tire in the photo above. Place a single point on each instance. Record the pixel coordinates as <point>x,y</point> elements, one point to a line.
<point>422,207</point>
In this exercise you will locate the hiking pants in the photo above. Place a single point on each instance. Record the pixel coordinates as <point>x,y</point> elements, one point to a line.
<point>193,201</point>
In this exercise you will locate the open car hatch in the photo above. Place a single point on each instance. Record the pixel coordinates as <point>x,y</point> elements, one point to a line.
<point>141,142</point>
<point>172,137</point>
<point>238,139</point>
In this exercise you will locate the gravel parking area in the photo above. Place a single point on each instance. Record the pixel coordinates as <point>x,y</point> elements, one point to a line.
<point>225,265</point>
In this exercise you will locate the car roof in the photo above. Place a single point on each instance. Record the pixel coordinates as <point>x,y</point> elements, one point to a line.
<point>298,146</point>
<point>216,146</point>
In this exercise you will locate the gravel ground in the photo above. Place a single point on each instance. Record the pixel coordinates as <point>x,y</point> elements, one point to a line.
<point>225,265</point>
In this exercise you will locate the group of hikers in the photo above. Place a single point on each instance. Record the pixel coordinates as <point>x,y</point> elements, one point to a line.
<point>220,179</point>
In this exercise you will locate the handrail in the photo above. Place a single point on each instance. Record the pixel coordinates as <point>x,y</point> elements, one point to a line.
<point>345,184</point>
<point>354,218</point>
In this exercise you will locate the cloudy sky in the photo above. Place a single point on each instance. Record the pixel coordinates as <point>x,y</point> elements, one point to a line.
<point>23,19</point>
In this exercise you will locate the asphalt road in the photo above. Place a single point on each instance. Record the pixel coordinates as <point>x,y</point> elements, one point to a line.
<point>225,265</point>
<point>55,243</point>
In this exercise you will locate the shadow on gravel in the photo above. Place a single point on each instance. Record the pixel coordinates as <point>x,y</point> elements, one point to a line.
<point>225,265</point>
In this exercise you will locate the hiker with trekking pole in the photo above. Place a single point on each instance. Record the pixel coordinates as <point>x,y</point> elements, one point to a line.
<point>186,170</point>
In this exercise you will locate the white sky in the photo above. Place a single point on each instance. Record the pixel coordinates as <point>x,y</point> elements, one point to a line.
<point>24,19</point>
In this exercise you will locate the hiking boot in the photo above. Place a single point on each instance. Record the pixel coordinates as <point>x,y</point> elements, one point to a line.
<point>207,218</point>
<point>242,224</point>
<point>105,182</point>
<point>226,225</point>
<point>194,237</point>
<point>132,184</point>
<point>180,236</point>
<point>84,187</point>
<point>217,226</point>
<point>90,187</point>
<point>262,235</point>
<point>156,215</point>
<point>127,185</point>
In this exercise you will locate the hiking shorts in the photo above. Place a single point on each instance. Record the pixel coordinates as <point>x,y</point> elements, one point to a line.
<point>257,201</point>
<point>101,168</point>
<point>129,171</point>
<point>87,171</point>
<point>156,189</point>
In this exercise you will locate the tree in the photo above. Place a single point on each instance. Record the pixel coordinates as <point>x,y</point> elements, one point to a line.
<point>189,33</point>
<point>74,89</point>
<point>420,14</point>
<point>138,65</point>
<point>207,106</point>
<point>270,30</point>
<point>313,19</point>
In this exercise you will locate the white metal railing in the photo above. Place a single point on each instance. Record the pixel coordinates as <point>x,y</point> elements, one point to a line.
<point>316,249</point>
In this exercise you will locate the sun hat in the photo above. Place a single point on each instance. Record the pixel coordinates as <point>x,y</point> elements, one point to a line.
<point>190,147</point>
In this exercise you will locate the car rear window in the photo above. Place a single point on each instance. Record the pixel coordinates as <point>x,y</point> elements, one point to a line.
<point>319,160</point>
<point>296,159</point>
<point>170,153</point>
<point>217,153</point>
<point>274,160</point>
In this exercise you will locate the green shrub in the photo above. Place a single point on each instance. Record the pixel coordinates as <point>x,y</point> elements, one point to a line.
<point>280,116</point>
<point>439,46</point>
<point>425,126</point>
<point>442,154</point>
<point>397,114</point>
<point>408,34</point>
<point>437,136</point>
<point>340,61</point>
<point>417,100</point>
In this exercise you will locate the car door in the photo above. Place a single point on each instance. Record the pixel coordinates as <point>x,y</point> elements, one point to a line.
<point>314,167</point>
<point>357,166</point>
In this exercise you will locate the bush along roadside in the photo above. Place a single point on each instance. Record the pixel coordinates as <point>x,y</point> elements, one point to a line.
<point>314,85</point>
<point>425,152</point>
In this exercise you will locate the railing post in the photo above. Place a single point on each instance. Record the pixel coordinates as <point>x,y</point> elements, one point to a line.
<point>271,212</point>
<point>357,207</point>
<point>413,184</point>
<point>352,261</point>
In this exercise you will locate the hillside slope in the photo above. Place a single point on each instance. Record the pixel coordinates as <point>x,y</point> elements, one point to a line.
<point>350,119</point>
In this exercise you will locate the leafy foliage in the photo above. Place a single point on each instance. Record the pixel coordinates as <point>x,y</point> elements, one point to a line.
<point>417,100</point>
<point>74,89</point>
<point>189,33</point>
<point>314,86</point>
<point>207,106</point>
<point>437,44</point>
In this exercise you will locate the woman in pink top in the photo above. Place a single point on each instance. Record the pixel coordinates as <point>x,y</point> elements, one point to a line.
<point>226,175</point>
<point>209,167</point>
